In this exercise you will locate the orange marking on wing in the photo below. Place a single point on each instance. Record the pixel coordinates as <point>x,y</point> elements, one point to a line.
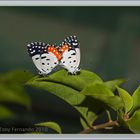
<point>64,48</point>
<point>55,52</point>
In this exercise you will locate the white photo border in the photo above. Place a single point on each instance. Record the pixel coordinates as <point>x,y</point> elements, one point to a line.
<point>70,136</point>
<point>70,3</point>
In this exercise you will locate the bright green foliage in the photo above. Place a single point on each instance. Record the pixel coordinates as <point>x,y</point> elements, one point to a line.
<point>90,117</point>
<point>52,125</point>
<point>87,117</point>
<point>127,99</point>
<point>77,82</point>
<point>134,122</point>
<point>90,96</point>
<point>97,88</point>
<point>100,92</point>
<point>112,84</point>
<point>68,87</point>
<point>136,100</point>
<point>74,89</point>
<point>131,117</point>
<point>67,93</point>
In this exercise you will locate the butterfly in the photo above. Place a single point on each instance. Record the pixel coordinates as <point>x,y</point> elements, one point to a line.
<point>70,50</point>
<point>46,57</point>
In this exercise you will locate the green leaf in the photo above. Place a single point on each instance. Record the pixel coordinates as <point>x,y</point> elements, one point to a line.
<point>51,125</point>
<point>89,119</point>
<point>93,108</point>
<point>84,123</point>
<point>136,100</point>
<point>64,92</point>
<point>77,82</point>
<point>127,99</point>
<point>68,94</point>
<point>112,84</point>
<point>134,122</point>
<point>14,94</point>
<point>64,85</point>
<point>67,86</point>
<point>97,88</point>
<point>102,93</point>
<point>5,113</point>
<point>113,102</point>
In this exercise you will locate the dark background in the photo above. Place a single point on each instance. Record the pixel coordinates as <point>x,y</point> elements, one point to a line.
<point>110,47</point>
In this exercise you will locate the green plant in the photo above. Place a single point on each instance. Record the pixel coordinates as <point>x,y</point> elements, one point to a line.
<point>12,91</point>
<point>53,125</point>
<point>91,97</point>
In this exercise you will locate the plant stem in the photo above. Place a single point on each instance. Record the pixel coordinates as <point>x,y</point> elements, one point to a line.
<point>100,126</point>
<point>109,116</point>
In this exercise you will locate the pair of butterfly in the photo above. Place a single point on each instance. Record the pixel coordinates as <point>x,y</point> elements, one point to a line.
<point>46,57</point>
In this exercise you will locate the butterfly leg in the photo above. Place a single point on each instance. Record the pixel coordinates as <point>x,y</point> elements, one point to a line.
<point>43,74</point>
<point>77,71</point>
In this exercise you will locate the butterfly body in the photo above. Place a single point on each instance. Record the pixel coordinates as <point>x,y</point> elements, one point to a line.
<point>47,57</point>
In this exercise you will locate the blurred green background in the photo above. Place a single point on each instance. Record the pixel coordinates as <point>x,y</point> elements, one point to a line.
<point>110,47</point>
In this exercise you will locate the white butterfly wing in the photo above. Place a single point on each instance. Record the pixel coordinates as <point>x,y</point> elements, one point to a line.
<point>44,60</point>
<point>49,62</point>
<point>78,56</point>
<point>69,61</point>
<point>71,57</point>
<point>34,50</point>
<point>37,62</point>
